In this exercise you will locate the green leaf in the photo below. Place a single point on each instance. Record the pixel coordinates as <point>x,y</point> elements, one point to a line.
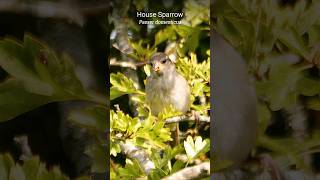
<point>16,173</point>
<point>289,148</point>
<point>286,82</point>
<point>264,116</point>
<point>132,170</point>
<point>40,69</point>
<point>240,6</point>
<point>308,86</point>
<point>191,37</point>
<point>154,132</point>
<point>164,34</point>
<point>168,154</point>
<point>140,4</point>
<point>156,174</point>
<point>147,69</point>
<point>114,148</point>
<point>267,38</point>
<point>30,167</point>
<point>177,166</point>
<point>115,93</point>
<point>4,168</point>
<point>55,173</point>
<point>292,39</point>
<point>246,32</point>
<point>121,85</point>
<point>229,31</point>
<point>141,53</point>
<point>18,61</point>
<point>198,87</point>
<point>123,122</point>
<point>59,72</point>
<point>304,21</point>
<point>37,76</point>
<point>280,89</point>
<point>194,71</point>
<point>314,103</point>
<point>314,35</point>
<point>15,99</point>
<point>168,112</point>
<point>197,12</point>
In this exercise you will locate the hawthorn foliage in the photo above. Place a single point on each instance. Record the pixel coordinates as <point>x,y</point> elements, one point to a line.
<point>280,43</point>
<point>37,76</point>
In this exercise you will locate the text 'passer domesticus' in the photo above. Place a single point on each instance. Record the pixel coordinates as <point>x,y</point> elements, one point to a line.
<point>165,86</point>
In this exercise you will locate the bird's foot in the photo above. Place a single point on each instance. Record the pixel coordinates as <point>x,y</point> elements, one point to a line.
<point>196,116</point>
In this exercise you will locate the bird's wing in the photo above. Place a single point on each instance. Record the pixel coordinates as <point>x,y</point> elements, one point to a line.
<point>180,94</point>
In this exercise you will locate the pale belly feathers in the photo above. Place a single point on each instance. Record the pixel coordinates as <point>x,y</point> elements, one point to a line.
<point>161,94</point>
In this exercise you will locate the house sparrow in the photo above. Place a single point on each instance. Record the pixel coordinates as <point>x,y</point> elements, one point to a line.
<point>165,87</point>
<point>235,114</point>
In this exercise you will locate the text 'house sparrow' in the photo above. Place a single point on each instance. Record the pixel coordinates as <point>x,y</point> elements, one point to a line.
<point>166,87</point>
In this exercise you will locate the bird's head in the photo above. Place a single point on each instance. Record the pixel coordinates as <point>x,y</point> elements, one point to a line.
<point>161,64</point>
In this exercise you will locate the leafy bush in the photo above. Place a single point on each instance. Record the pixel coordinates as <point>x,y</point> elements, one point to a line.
<point>38,76</point>
<point>281,46</point>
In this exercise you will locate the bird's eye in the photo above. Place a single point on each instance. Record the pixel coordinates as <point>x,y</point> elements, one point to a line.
<point>163,61</point>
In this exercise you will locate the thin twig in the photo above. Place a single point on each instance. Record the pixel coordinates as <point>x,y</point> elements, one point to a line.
<point>187,118</point>
<point>114,62</point>
<point>126,64</point>
<point>193,172</point>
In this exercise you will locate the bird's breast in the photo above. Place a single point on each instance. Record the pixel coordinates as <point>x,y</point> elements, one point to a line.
<point>160,94</point>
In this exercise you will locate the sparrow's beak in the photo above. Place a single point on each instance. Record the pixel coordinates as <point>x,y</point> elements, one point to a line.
<point>156,67</point>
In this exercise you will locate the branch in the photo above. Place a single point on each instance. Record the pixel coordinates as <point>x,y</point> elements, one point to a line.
<point>135,153</point>
<point>114,62</point>
<point>193,172</point>
<point>127,64</point>
<point>184,158</point>
<point>187,118</point>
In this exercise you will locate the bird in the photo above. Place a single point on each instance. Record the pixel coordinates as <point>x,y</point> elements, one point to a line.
<point>235,116</point>
<point>166,87</point>
<point>235,119</point>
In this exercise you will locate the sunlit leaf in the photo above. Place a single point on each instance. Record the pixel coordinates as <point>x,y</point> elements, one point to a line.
<point>132,170</point>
